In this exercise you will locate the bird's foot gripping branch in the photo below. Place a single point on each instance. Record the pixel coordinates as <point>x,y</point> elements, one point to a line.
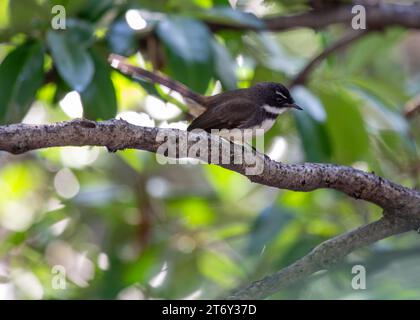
<point>231,149</point>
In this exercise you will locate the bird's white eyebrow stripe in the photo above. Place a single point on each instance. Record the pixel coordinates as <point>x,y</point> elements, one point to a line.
<point>281,94</point>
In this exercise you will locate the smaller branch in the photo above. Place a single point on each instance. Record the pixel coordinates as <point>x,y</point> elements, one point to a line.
<point>378,16</point>
<point>381,259</point>
<point>303,75</point>
<point>322,257</point>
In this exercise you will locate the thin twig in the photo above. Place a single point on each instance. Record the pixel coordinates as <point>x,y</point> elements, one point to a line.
<point>378,16</point>
<point>322,257</point>
<point>347,39</point>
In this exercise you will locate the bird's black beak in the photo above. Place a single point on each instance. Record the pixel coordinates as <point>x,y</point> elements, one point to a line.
<point>294,106</point>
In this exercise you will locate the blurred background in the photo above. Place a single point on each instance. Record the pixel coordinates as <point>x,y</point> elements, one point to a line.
<point>122,226</point>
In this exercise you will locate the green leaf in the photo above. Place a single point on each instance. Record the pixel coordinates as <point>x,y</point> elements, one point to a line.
<point>345,125</point>
<point>221,3</point>
<point>310,103</point>
<point>99,99</point>
<point>71,58</point>
<point>132,158</point>
<point>379,117</point>
<point>195,212</point>
<point>365,52</point>
<point>391,94</point>
<point>224,66</point>
<point>21,75</point>
<point>142,269</point>
<point>229,186</point>
<point>314,136</point>
<point>80,32</point>
<point>266,50</point>
<point>189,51</point>
<point>72,6</point>
<point>205,4</point>
<point>396,147</point>
<point>61,89</point>
<point>311,124</point>
<point>266,227</point>
<point>230,16</point>
<point>219,268</point>
<point>4,14</point>
<point>94,9</point>
<point>121,38</point>
<point>28,13</point>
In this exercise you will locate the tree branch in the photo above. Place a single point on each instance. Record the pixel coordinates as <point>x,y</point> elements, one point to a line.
<point>322,257</point>
<point>119,134</point>
<point>378,16</point>
<point>401,205</point>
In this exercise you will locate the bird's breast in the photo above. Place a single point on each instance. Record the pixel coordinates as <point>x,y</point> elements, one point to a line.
<point>269,116</point>
<point>264,126</point>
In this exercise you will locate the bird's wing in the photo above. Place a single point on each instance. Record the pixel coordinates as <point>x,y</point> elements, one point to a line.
<point>232,114</point>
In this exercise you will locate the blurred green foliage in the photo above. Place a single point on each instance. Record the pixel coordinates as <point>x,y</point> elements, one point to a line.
<point>124,226</point>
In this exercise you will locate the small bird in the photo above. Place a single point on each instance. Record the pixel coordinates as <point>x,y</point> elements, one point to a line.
<point>248,109</point>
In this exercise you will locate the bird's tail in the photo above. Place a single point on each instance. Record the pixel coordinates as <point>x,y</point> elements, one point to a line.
<point>118,62</point>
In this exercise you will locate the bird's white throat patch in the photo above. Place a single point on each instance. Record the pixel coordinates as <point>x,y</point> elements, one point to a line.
<point>264,126</point>
<point>274,110</point>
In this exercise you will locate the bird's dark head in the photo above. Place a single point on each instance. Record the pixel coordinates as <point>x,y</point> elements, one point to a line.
<point>276,95</point>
